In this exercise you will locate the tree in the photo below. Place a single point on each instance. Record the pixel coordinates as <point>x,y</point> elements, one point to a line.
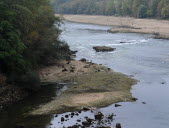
<point>142,11</point>
<point>29,37</point>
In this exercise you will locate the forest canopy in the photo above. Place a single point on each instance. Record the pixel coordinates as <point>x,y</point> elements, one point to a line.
<point>29,37</point>
<point>134,8</point>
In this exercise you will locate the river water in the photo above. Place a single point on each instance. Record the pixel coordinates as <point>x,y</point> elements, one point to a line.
<point>143,57</point>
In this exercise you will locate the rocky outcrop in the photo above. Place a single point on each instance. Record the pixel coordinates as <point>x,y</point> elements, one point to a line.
<point>103,49</point>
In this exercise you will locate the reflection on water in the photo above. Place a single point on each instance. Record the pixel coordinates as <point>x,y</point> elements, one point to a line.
<point>14,115</point>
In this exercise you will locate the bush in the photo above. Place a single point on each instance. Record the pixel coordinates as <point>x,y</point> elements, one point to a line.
<point>29,81</point>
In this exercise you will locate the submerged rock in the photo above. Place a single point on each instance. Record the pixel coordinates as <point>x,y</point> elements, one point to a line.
<point>72,114</point>
<point>66,116</point>
<point>118,125</point>
<point>103,127</point>
<point>62,119</point>
<point>122,42</point>
<point>99,116</point>
<point>78,120</point>
<point>111,116</point>
<point>89,120</point>
<point>74,126</point>
<point>117,105</point>
<point>103,49</point>
<point>86,123</point>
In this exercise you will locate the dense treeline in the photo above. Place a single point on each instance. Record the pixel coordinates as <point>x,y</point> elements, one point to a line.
<point>135,8</point>
<point>29,35</point>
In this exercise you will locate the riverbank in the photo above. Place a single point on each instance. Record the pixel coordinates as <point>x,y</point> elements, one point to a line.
<point>88,84</point>
<point>125,24</point>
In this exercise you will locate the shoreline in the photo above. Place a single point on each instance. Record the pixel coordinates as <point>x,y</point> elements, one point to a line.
<point>89,85</point>
<point>159,28</point>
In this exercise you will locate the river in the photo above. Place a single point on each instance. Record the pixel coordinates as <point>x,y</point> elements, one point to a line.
<point>143,57</point>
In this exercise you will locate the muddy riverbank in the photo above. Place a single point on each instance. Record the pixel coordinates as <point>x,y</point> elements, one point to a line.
<point>88,84</point>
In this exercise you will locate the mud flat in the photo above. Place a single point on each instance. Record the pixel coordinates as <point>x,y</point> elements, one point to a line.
<point>88,85</point>
<point>125,24</point>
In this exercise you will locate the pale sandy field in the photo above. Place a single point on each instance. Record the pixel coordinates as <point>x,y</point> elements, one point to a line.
<point>160,28</point>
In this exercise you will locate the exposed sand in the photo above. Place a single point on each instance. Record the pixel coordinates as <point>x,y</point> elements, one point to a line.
<point>90,85</point>
<point>126,24</point>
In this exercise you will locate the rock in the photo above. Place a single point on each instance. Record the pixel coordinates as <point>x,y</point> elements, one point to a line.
<point>99,116</point>
<point>78,120</point>
<point>72,114</point>
<point>85,123</point>
<point>64,70</point>
<point>73,67</point>
<point>89,120</point>
<point>103,49</point>
<point>68,62</point>
<point>117,105</point>
<point>131,76</point>
<point>110,117</point>
<point>123,42</point>
<point>134,99</point>
<point>118,125</point>
<point>98,70</point>
<point>86,66</point>
<point>62,119</point>
<point>86,109</point>
<point>83,60</point>
<point>103,127</point>
<point>74,126</point>
<point>162,82</point>
<point>72,70</point>
<point>56,115</point>
<point>76,114</point>
<point>108,69</point>
<point>86,117</point>
<point>66,116</point>
<point>143,102</point>
<point>74,52</point>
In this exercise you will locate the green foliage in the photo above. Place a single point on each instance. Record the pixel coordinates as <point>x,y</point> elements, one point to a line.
<point>142,11</point>
<point>135,8</point>
<point>29,37</point>
<point>29,81</point>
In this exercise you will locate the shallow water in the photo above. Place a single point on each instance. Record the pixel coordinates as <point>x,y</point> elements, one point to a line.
<point>145,58</point>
